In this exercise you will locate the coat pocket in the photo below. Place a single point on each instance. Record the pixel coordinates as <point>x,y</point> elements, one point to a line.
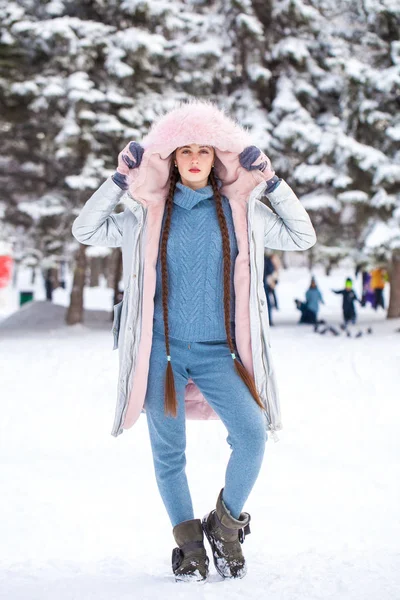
<point>117,322</point>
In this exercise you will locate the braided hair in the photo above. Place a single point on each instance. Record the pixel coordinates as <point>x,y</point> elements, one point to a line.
<point>170,401</point>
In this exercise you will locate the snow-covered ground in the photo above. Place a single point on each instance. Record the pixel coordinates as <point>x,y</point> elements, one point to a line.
<point>81,517</point>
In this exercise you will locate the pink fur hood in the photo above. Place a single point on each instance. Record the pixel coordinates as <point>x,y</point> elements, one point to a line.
<point>199,122</point>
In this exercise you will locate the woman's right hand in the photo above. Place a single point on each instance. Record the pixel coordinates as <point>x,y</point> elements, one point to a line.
<point>129,158</point>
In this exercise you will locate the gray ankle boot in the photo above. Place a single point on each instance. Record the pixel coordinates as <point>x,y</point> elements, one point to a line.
<point>226,535</point>
<point>189,560</point>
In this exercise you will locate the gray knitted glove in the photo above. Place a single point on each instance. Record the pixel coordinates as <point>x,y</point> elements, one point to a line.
<point>129,158</point>
<point>252,158</point>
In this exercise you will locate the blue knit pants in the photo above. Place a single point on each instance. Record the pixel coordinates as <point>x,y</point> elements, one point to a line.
<point>211,367</point>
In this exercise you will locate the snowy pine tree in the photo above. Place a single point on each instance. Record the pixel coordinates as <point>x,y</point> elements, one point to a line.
<point>316,83</point>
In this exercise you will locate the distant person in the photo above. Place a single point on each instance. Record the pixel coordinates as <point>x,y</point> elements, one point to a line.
<point>50,282</point>
<point>349,298</point>
<point>378,279</point>
<point>62,274</point>
<point>307,315</point>
<point>271,272</point>
<point>314,298</point>
<point>368,294</point>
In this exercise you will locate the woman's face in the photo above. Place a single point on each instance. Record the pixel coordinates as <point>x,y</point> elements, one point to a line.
<point>194,163</point>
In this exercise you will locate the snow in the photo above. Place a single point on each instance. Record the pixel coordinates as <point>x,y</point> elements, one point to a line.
<point>330,83</point>
<point>155,7</point>
<point>395,52</point>
<point>388,173</point>
<point>12,12</point>
<point>5,248</point>
<point>114,96</point>
<point>115,65</point>
<point>383,200</point>
<point>89,178</point>
<point>285,99</point>
<point>394,133</point>
<point>320,174</point>
<point>80,87</point>
<point>291,47</point>
<point>320,200</point>
<point>107,123</point>
<point>6,39</point>
<point>70,29</point>
<point>134,39</point>
<point>47,206</point>
<point>251,24</point>
<point>33,168</point>
<point>257,72</point>
<point>382,234</point>
<point>366,156</point>
<point>306,11</point>
<point>353,197</point>
<point>55,8</point>
<point>24,88</point>
<point>195,51</point>
<point>383,80</point>
<point>69,129</point>
<point>95,251</point>
<point>87,115</point>
<point>81,514</point>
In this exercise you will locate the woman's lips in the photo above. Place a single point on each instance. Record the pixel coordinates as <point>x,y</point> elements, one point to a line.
<point>194,170</point>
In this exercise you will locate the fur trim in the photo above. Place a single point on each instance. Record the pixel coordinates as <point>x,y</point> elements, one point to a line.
<point>196,122</point>
<point>201,122</point>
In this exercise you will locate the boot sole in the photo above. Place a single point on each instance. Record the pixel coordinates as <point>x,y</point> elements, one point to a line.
<point>193,578</point>
<point>216,558</point>
<point>189,579</point>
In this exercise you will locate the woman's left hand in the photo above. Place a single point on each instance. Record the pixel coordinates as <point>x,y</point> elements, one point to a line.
<point>252,159</point>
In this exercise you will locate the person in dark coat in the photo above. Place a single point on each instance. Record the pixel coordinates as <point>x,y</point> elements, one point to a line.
<point>349,298</point>
<point>307,315</point>
<point>368,294</point>
<point>271,265</point>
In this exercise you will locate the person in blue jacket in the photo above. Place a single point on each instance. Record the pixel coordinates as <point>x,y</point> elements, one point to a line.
<point>314,298</point>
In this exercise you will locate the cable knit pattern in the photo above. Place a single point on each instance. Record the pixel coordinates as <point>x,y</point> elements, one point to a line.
<point>195,268</point>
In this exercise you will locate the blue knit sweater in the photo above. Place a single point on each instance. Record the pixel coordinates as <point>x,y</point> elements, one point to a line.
<point>195,268</point>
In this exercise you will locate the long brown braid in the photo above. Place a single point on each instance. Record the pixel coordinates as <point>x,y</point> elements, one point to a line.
<point>170,402</point>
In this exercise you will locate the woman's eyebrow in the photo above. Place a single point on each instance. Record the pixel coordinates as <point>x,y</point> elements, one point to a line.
<point>183,147</point>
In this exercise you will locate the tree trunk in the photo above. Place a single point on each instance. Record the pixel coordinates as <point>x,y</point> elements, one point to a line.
<point>95,268</point>
<point>75,311</point>
<point>310,258</point>
<point>15,274</point>
<point>112,267</point>
<point>104,268</point>
<point>394,302</point>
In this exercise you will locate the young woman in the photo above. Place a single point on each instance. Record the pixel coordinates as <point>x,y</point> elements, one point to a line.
<point>192,329</point>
